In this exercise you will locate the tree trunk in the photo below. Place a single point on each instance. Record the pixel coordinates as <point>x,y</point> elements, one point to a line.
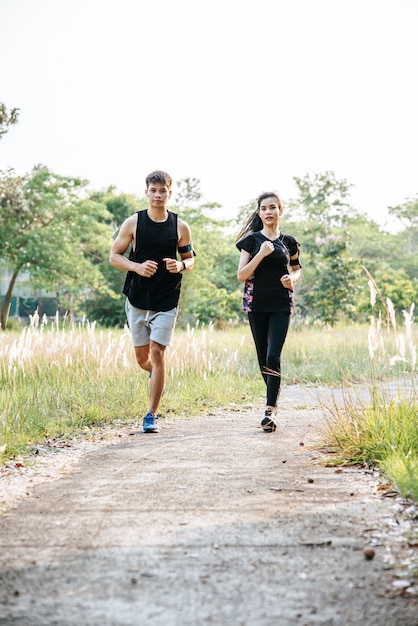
<point>5,309</point>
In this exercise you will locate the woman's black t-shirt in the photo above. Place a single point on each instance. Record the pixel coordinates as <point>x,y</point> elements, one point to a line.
<point>263,291</point>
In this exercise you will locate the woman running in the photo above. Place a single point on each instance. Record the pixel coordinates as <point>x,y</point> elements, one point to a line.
<point>269,265</point>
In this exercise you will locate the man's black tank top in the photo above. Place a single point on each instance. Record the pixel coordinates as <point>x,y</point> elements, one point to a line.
<point>154,241</point>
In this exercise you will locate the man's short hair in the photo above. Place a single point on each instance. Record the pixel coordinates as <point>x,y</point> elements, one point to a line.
<point>159,177</point>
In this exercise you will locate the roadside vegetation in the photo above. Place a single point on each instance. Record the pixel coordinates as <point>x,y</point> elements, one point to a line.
<point>60,379</point>
<point>382,428</point>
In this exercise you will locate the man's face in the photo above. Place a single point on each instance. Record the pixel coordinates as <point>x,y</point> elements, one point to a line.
<point>158,194</point>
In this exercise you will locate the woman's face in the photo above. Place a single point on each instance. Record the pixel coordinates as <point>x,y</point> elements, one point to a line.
<point>270,211</point>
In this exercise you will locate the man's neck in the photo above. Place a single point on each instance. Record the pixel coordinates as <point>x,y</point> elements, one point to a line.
<point>159,214</point>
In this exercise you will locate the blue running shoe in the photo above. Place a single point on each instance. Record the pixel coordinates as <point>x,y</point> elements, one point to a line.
<point>150,423</point>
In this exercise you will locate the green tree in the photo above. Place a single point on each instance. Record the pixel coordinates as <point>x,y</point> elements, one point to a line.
<point>218,306</point>
<point>369,242</point>
<point>188,192</point>
<point>107,307</point>
<point>407,213</point>
<point>209,293</point>
<point>50,228</point>
<point>334,292</point>
<point>397,286</point>
<point>7,118</point>
<point>317,217</point>
<point>407,239</point>
<point>214,278</point>
<point>323,199</point>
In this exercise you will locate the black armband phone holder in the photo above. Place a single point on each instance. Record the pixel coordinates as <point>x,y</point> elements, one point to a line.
<point>187,248</point>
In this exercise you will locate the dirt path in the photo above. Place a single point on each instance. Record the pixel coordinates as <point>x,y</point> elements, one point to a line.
<point>211,521</point>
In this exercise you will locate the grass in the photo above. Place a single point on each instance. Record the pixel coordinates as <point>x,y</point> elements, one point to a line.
<point>55,381</point>
<point>383,433</point>
<point>383,429</point>
<point>327,356</point>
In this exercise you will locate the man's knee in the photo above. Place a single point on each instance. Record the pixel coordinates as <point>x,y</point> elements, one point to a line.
<point>157,352</point>
<point>141,362</point>
<point>142,356</point>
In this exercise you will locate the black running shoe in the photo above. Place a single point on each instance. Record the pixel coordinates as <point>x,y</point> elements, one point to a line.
<point>267,423</point>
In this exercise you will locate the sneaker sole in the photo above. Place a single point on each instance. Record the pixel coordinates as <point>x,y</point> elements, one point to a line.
<point>268,425</point>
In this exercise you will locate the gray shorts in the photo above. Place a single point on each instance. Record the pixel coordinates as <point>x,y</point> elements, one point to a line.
<point>155,325</point>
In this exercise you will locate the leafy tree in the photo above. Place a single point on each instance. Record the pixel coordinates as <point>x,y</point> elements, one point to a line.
<point>396,285</point>
<point>188,192</point>
<point>369,242</point>
<point>406,241</point>
<point>218,306</point>
<point>318,217</point>
<point>7,118</point>
<point>323,199</point>
<point>335,289</point>
<point>215,268</point>
<point>407,213</point>
<point>49,227</point>
<point>210,293</point>
<point>58,231</point>
<point>107,307</point>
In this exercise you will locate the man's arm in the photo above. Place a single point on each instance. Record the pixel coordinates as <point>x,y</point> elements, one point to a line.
<point>186,262</point>
<point>120,246</point>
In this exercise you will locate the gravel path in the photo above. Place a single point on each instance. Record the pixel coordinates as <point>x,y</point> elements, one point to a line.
<point>211,521</point>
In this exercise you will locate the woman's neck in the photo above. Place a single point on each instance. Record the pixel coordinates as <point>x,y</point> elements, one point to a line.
<point>271,233</point>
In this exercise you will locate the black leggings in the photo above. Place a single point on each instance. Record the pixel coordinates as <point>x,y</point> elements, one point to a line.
<point>269,333</point>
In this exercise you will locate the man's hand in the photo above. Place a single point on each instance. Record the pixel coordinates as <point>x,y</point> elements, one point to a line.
<point>147,268</point>
<point>173,266</point>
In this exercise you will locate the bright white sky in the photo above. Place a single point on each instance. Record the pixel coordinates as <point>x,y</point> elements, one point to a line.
<point>242,94</point>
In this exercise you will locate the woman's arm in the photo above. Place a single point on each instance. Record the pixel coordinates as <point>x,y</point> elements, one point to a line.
<point>247,266</point>
<point>288,280</point>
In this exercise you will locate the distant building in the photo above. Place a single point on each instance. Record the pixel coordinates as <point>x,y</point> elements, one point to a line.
<point>25,299</point>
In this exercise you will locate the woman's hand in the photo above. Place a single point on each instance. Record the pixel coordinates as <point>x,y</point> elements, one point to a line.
<point>287,281</point>
<point>247,266</point>
<point>266,248</point>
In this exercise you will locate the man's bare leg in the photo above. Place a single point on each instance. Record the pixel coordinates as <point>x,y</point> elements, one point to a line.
<point>151,358</point>
<point>157,381</point>
<point>142,354</point>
